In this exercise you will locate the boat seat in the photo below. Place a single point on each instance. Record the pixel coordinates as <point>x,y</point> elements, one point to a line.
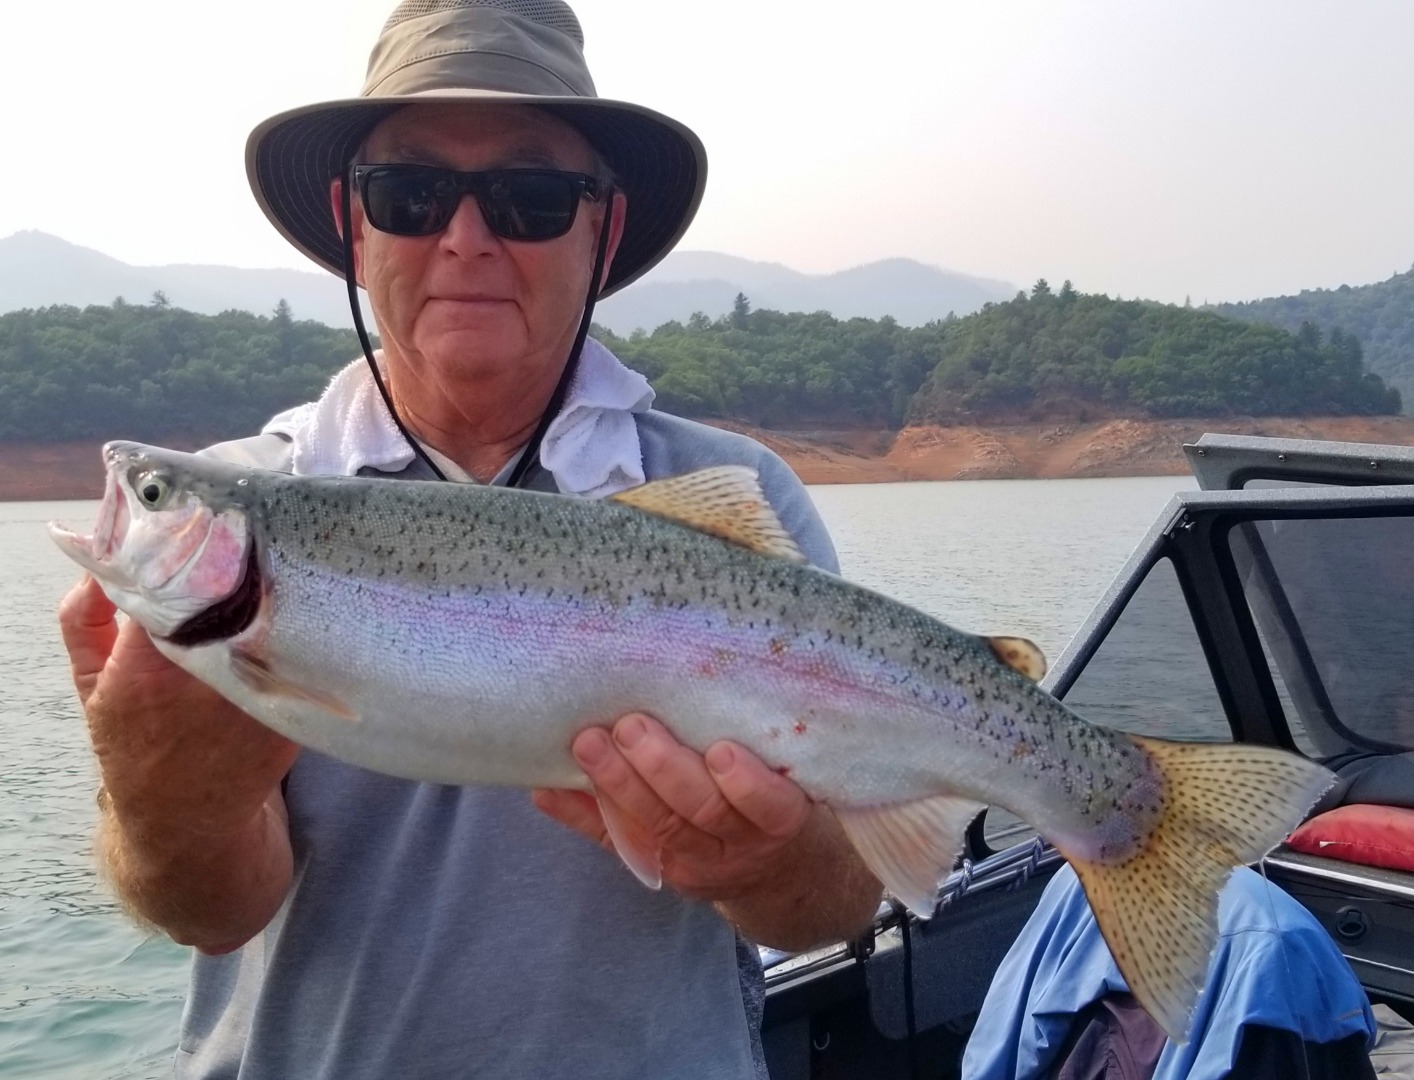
<point>1363,777</point>
<point>1368,910</point>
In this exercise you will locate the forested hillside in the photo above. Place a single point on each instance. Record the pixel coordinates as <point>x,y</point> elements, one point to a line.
<point>780,370</point>
<point>151,371</point>
<point>1078,355</point>
<point>1380,315</point>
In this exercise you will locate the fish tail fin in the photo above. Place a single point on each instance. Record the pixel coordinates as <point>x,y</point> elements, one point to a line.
<point>1225,805</point>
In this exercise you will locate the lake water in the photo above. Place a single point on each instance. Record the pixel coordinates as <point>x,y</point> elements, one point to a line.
<point>84,995</point>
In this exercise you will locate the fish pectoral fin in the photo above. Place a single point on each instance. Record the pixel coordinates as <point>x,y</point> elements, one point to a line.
<point>911,846</point>
<point>258,675</point>
<point>1020,654</point>
<point>638,850</point>
<point>725,502</point>
<point>1223,805</point>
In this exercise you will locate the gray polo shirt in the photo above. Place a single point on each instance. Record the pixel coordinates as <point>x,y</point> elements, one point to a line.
<point>435,932</point>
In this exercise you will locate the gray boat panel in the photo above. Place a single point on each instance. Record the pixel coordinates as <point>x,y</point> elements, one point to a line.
<point>1224,462</point>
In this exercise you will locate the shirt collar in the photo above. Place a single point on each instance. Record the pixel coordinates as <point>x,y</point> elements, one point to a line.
<point>590,448</point>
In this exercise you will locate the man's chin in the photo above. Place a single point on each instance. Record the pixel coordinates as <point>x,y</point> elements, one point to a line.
<point>484,347</point>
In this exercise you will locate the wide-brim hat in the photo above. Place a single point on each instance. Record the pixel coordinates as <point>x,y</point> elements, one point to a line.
<point>489,52</point>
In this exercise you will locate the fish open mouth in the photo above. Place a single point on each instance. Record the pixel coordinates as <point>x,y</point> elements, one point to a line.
<point>95,551</point>
<point>227,617</point>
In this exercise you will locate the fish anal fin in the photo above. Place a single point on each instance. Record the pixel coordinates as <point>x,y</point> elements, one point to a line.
<point>634,846</point>
<point>911,846</point>
<point>725,501</point>
<point>1223,805</point>
<point>1020,654</point>
<point>260,677</point>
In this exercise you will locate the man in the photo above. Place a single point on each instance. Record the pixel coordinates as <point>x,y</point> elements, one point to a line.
<point>349,924</point>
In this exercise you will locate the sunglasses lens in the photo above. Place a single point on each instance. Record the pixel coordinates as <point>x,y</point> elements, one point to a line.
<point>409,202</point>
<point>517,204</point>
<point>529,205</point>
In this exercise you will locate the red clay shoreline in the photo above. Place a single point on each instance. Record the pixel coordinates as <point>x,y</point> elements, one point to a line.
<point>1117,447</point>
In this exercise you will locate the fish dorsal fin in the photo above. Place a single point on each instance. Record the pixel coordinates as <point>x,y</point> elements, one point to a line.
<point>911,846</point>
<point>1020,654</point>
<point>725,501</point>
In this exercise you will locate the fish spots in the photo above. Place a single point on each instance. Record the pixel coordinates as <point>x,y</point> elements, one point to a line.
<point>773,733</point>
<point>717,662</point>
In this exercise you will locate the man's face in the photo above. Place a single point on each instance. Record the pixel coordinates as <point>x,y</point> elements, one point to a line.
<point>464,303</point>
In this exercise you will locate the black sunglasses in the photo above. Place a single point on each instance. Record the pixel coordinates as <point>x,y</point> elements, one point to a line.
<point>518,204</point>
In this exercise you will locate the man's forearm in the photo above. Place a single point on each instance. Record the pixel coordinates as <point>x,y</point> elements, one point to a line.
<point>212,890</point>
<point>822,892</point>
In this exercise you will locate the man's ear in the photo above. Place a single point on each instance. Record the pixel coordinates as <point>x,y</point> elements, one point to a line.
<point>336,191</point>
<point>616,233</point>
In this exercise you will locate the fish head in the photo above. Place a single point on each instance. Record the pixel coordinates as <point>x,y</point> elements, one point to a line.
<point>170,541</point>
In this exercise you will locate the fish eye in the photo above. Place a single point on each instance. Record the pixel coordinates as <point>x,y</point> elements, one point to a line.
<point>152,490</point>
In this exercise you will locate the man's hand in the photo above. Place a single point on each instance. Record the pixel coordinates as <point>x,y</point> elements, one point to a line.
<point>194,835</point>
<point>728,829</point>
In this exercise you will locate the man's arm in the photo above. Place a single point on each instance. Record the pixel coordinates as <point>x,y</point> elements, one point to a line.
<point>193,833</point>
<point>728,829</point>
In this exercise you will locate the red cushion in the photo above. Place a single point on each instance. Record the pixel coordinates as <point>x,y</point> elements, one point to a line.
<point>1360,833</point>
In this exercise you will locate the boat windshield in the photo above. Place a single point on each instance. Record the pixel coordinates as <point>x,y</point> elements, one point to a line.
<point>1149,675</point>
<point>1331,598</point>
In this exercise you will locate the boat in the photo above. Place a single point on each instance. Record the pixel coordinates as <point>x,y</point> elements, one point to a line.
<point>1268,605</point>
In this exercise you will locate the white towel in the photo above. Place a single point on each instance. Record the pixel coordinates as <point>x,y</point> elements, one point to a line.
<point>591,448</point>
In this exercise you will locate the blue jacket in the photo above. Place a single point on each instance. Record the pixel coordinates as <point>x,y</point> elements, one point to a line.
<point>1274,966</point>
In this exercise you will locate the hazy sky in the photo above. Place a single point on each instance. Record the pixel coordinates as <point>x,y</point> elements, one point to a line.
<point>1218,149</point>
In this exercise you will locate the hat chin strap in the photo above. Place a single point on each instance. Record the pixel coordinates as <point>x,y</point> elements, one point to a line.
<point>346,219</point>
<point>531,453</point>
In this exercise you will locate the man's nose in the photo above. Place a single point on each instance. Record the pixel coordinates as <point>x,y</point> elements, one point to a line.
<point>467,233</point>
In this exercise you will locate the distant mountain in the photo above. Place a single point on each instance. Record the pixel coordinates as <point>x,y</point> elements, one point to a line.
<point>37,270</point>
<point>1380,316</point>
<point>707,281</point>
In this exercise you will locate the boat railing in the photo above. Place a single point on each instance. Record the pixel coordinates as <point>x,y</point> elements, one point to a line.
<point>1010,868</point>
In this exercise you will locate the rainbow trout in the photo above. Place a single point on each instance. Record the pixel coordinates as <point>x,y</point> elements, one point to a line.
<point>461,634</point>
